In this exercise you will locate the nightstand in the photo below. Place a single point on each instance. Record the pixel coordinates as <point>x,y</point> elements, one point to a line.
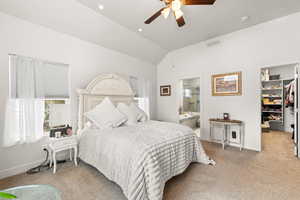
<point>61,144</point>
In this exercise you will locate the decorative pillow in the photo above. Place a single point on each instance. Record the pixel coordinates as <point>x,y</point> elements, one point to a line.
<point>105,115</point>
<point>132,115</point>
<point>90,125</point>
<point>142,117</point>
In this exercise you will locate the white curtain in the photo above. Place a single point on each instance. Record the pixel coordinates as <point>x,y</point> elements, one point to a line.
<point>134,85</point>
<point>24,115</point>
<point>142,89</point>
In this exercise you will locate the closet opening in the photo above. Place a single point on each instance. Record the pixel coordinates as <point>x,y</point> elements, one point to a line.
<point>279,116</point>
<point>189,108</point>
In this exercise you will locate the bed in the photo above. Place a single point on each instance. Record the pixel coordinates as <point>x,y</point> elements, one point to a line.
<point>140,158</point>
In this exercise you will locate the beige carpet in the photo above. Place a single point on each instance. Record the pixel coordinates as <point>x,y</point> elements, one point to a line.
<point>273,174</point>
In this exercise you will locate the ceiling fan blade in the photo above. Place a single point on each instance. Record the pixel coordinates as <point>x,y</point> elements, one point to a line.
<point>153,17</point>
<point>198,2</point>
<point>180,21</point>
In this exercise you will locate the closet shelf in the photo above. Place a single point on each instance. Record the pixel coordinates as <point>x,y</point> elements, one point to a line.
<point>277,80</point>
<point>271,88</point>
<point>270,111</point>
<point>271,96</point>
<point>279,121</point>
<point>272,80</point>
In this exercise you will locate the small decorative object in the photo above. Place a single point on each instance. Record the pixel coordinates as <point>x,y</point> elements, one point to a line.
<point>69,130</point>
<point>61,131</point>
<point>58,134</point>
<point>165,90</point>
<point>226,116</point>
<point>229,84</point>
<point>57,130</point>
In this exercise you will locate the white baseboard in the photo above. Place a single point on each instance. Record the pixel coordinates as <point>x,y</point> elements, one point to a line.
<point>18,169</point>
<point>24,167</point>
<point>230,144</point>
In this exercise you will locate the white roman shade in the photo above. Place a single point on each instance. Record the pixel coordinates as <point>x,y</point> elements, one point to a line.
<point>55,80</point>
<point>50,80</point>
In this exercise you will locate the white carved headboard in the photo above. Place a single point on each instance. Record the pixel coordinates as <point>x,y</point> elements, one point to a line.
<point>114,86</point>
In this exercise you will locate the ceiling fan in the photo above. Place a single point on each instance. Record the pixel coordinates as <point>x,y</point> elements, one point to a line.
<point>175,7</point>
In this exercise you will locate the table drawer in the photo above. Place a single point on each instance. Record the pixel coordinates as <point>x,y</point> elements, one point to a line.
<point>63,142</point>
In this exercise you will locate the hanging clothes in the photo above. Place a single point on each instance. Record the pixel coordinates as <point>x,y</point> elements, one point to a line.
<point>290,94</point>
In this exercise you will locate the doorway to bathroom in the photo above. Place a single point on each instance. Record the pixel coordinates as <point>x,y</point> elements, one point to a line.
<point>189,108</point>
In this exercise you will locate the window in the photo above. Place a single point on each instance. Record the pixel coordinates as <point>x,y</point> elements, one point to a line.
<point>56,87</point>
<point>141,89</point>
<point>34,85</point>
<point>57,112</point>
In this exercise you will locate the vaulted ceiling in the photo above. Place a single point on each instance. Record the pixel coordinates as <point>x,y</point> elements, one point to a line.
<point>73,18</point>
<point>203,22</point>
<point>116,26</point>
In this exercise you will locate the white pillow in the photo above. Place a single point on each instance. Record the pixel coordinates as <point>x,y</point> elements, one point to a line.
<point>105,115</point>
<point>90,125</point>
<point>142,115</point>
<point>132,115</point>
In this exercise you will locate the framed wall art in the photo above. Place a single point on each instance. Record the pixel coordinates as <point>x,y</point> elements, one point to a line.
<point>229,84</point>
<point>165,90</point>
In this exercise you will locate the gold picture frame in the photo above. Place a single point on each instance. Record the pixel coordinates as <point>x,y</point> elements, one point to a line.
<point>229,84</point>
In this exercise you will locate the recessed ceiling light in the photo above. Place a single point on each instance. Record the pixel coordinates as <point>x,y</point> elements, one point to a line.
<point>140,29</point>
<point>245,18</point>
<point>101,7</point>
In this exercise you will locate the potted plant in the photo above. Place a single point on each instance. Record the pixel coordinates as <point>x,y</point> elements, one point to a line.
<point>7,195</point>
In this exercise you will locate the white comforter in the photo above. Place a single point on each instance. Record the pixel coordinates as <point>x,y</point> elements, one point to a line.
<point>141,158</point>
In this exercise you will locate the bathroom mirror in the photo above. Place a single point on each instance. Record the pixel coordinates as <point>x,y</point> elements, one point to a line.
<point>189,108</point>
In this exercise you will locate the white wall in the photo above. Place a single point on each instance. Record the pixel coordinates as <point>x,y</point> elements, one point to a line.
<point>272,43</point>
<point>86,60</point>
<point>74,18</point>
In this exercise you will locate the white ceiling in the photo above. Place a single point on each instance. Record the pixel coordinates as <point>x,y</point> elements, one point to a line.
<point>203,22</point>
<point>116,26</point>
<point>73,18</point>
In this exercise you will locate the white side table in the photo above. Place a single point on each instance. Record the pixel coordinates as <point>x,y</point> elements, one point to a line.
<point>61,144</point>
<point>226,124</point>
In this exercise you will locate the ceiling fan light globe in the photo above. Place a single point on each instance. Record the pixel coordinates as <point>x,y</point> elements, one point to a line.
<point>178,14</point>
<point>166,12</point>
<point>176,5</point>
